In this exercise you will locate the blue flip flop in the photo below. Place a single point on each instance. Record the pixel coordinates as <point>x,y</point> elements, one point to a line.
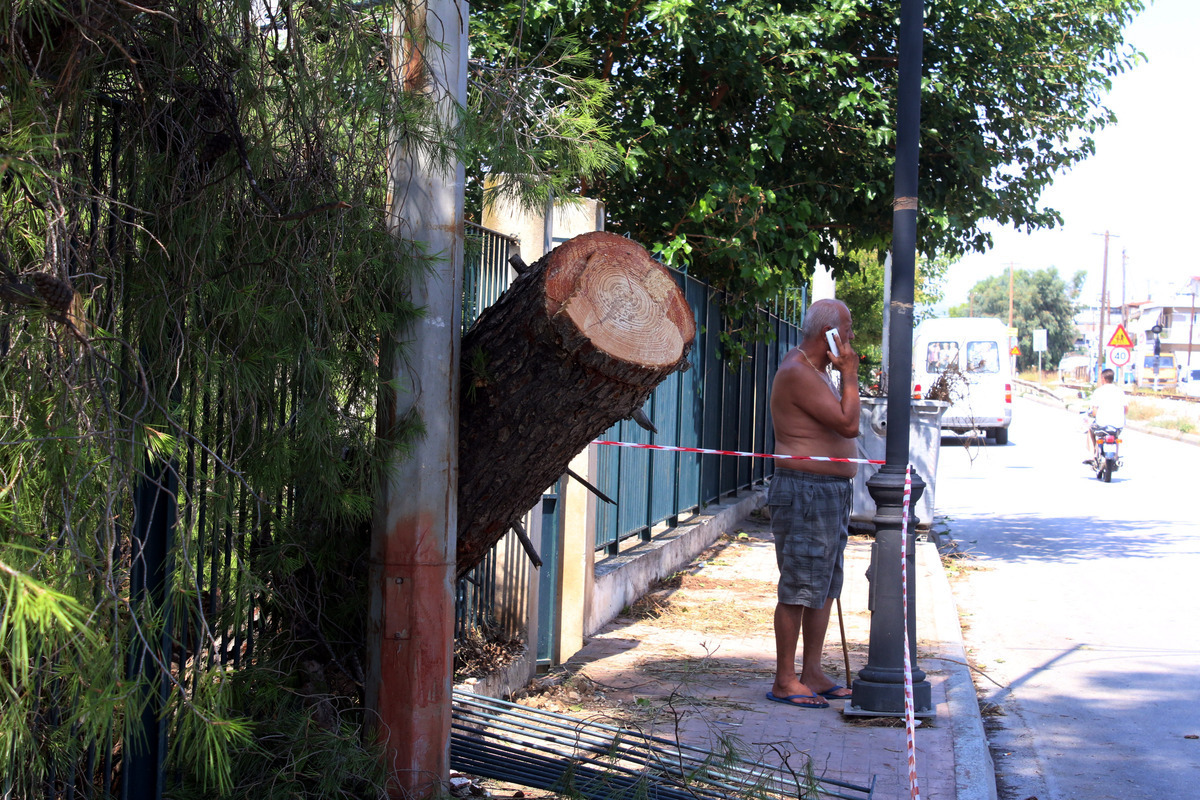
<point>828,694</point>
<point>788,700</point>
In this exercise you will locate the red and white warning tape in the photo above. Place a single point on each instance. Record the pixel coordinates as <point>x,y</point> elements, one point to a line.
<point>705,451</point>
<point>910,724</point>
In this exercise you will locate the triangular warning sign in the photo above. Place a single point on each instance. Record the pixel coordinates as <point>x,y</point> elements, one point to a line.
<point>1120,338</point>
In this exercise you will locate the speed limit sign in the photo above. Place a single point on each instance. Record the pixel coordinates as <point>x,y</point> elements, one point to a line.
<point>1118,356</point>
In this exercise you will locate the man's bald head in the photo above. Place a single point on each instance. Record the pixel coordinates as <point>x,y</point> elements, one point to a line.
<point>822,314</point>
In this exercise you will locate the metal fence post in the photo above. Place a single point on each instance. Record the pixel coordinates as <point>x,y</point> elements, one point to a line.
<point>153,521</point>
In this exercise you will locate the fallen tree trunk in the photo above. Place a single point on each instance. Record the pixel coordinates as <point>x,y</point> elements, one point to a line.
<point>577,343</point>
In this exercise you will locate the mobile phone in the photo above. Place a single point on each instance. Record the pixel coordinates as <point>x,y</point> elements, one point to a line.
<point>833,337</point>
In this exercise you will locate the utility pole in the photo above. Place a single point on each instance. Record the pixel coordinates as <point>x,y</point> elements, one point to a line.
<point>1124,307</point>
<point>1012,360</point>
<point>1010,293</point>
<point>1194,284</point>
<point>1103,304</point>
<point>410,583</point>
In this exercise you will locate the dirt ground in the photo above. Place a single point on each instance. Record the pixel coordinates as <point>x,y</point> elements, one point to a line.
<point>689,651</point>
<point>692,659</point>
<point>670,664</point>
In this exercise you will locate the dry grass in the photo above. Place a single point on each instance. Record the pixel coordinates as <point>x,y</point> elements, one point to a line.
<point>991,709</point>
<point>682,669</point>
<point>1156,415</point>
<point>956,564</point>
<point>1177,424</point>
<point>884,722</point>
<point>1141,412</point>
<point>718,606</point>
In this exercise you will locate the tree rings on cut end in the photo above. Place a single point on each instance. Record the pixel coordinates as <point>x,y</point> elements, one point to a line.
<point>619,299</point>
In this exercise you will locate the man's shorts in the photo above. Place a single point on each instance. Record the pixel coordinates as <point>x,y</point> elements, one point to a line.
<point>810,517</point>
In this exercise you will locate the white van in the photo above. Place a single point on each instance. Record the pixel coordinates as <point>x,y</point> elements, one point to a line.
<point>973,355</point>
<point>1189,381</point>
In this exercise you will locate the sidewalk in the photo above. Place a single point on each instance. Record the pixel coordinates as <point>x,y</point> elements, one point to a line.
<point>694,658</point>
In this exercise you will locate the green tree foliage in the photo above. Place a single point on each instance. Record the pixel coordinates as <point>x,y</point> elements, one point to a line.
<point>536,120</point>
<point>197,269</point>
<point>757,139</point>
<point>1041,299</point>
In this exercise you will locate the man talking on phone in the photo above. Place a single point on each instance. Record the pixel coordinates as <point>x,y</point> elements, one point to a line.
<point>810,501</point>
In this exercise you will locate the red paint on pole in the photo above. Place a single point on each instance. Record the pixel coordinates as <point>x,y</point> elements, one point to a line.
<point>415,659</point>
<point>412,622</point>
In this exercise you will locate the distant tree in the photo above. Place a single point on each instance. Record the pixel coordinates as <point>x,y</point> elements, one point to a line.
<point>863,291</point>
<point>1041,299</point>
<point>757,139</point>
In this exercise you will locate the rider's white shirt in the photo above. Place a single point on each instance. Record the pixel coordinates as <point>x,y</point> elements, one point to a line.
<point>1108,401</point>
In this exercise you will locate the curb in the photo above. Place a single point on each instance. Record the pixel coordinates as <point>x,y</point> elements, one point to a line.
<point>975,774</point>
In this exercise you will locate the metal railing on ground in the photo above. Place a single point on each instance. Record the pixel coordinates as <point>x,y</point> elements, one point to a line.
<point>541,749</point>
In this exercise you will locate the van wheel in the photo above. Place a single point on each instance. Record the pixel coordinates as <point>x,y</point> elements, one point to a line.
<point>1001,435</point>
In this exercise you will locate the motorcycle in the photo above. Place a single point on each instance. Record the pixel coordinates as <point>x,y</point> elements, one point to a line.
<point>1106,457</point>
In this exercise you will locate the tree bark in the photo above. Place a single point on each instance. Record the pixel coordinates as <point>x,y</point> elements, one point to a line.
<point>577,343</point>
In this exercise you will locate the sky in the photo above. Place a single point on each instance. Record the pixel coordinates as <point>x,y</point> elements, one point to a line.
<point>1142,185</point>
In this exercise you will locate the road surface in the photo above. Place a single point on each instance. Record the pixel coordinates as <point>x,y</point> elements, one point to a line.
<point>1082,606</point>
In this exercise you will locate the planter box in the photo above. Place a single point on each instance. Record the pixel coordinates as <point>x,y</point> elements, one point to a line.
<point>924,442</point>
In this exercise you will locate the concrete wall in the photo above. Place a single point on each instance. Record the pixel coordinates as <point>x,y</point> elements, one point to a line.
<point>539,230</point>
<point>578,558</point>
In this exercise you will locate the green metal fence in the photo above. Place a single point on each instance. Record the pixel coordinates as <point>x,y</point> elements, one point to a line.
<point>486,274</point>
<point>718,404</point>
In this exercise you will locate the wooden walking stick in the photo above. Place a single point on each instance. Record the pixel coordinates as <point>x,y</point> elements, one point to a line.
<point>845,649</point>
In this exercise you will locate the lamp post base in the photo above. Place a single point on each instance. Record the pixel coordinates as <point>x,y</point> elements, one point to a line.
<point>875,699</point>
<point>879,687</point>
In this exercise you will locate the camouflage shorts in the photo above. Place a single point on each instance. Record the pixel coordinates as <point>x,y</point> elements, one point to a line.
<point>810,517</point>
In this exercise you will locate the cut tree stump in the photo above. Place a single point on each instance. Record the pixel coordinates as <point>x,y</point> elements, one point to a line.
<point>577,343</point>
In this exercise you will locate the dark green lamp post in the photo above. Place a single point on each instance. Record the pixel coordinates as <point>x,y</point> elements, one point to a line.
<point>879,687</point>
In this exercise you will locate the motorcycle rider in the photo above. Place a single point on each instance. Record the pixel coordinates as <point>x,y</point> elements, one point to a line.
<point>1108,407</point>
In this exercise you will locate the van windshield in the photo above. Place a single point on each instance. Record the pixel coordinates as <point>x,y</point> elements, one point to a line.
<point>1164,362</point>
<point>983,357</point>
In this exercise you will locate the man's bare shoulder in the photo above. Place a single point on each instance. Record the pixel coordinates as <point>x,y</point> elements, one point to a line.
<point>798,380</point>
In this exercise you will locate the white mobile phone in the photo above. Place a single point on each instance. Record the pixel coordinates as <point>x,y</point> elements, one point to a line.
<point>833,337</point>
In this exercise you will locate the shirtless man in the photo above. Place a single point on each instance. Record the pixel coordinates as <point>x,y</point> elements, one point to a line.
<point>810,501</point>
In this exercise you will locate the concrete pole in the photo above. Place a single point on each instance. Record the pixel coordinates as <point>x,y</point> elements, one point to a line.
<point>1010,293</point>
<point>1191,324</point>
<point>1012,360</point>
<point>1103,308</point>
<point>411,577</point>
<point>1124,307</point>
